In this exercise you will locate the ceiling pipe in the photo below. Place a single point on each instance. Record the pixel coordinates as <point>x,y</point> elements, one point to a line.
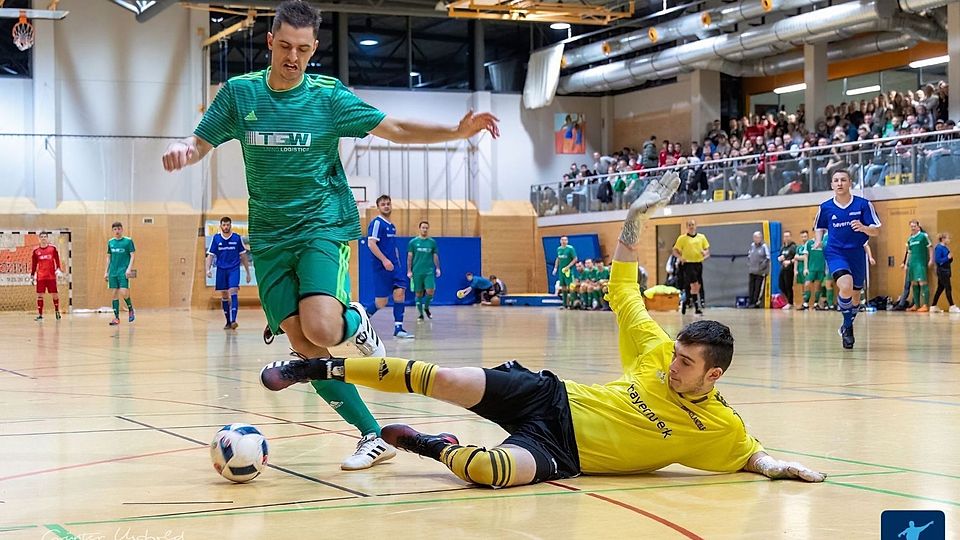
<point>625,73</point>
<point>681,27</point>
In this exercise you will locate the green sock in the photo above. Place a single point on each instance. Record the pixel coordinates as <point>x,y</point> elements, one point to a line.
<point>806,297</point>
<point>345,399</point>
<point>427,298</point>
<point>116,309</point>
<point>916,295</point>
<point>583,299</point>
<point>351,323</point>
<point>816,297</point>
<point>925,294</point>
<point>566,299</point>
<point>596,297</point>
<point>830,296</point>
<point>128,302</point>
<point>420,305</point>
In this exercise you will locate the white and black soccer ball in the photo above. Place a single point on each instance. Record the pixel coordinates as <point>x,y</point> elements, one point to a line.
<point>239,452</point>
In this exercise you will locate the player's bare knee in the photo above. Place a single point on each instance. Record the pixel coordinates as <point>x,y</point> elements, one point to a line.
<point>463,386</point>
<point>324,332</point>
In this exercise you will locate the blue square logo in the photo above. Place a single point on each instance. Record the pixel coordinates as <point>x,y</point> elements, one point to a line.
<point>913,525</point>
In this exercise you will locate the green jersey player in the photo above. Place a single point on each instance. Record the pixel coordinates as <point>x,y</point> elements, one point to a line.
<point>302,213</point>
<point>920,256</point>
<point>423,267</point>
<point>563,268</point>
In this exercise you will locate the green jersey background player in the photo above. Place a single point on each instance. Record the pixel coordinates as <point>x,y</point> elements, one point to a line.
<point>920,256</point>
<point>588,280</point>
<point>603,281</point>
<point>302,212</point>
<point>801,261</point>
<point>120,257</point>
<point>816,273</point>
<point>423,267</point>
<point>563,268</point>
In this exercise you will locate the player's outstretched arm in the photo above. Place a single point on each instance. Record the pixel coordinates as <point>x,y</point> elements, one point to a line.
<point>416,132</point>
<point>775,469</point>
<point>656,195</point>
<point>185,152</point>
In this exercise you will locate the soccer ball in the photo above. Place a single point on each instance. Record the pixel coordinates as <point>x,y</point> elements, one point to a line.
<point>239,452</point>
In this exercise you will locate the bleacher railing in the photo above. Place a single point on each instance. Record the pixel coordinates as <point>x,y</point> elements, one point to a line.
<point>910,159</point>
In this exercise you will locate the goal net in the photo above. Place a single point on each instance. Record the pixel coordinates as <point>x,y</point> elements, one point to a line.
<point>17,292</point>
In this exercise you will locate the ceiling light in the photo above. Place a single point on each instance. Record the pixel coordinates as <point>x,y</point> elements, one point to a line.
<point>369,42</point>
<point>414,73</point>
<point>560,26</point>
<point>863,90</point>
<point>790,88</point>
<point>930,62</point>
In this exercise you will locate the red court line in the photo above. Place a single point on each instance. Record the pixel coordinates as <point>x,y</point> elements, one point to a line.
<point>133,456</point>
<point>658,519</point>
<point>195,404</point>
<point>162,452</point>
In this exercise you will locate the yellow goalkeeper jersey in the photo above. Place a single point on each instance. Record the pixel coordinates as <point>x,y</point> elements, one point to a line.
<point>638,423</point>
<point>691,248</point>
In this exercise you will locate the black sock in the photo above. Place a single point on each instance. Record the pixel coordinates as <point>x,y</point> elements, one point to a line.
<point>319,369</point>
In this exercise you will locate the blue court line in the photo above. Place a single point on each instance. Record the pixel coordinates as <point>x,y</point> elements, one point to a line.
<point>841,393</point>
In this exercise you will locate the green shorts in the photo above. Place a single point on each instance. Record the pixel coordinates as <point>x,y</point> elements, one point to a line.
<point>118,282</point>
<point>801,276</point>
<point>815,276</point>
<point>917,271</point>
<point>422,282</point>
<point>566,277</point>
<point>289,272</point>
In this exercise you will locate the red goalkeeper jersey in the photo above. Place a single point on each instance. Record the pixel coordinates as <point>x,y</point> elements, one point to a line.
<point>46,262</point>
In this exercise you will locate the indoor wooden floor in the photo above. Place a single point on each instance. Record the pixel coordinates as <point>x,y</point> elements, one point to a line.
<point>104,432</point>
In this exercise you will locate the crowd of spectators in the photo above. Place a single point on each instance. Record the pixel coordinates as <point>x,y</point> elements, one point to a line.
<point>775,154</point>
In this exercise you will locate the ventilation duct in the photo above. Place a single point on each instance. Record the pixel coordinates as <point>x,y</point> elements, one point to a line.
<point>627,73</point>
<point>681,27</point>
<point>792,61</point>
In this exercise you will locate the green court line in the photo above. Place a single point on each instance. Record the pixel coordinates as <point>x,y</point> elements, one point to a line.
<point>445,500</point>
<point>60,531</point>
<point>895,493</point>
<point>17,528</point>
<point>855,462</point>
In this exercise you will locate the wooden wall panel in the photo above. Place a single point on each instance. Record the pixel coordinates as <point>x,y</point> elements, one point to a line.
<point>666,125</point>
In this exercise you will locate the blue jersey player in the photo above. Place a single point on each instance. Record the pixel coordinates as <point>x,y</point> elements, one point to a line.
<point>227,252</point>
<point>851,221</point>
<point>388,278</point>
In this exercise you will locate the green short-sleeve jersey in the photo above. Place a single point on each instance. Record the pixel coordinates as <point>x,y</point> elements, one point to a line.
<point>589,274</point>
<point>603,275</point>
<point>423,250</point>
<point>119,250</point>
<point>801,250</point>
<point>919,247</point>
<point>619,185</point>
<point>565,255</point>
<point>290,143</point>
<point>815,261</point>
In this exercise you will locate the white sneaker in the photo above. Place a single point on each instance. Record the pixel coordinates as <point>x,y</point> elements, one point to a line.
<point>935,309</point>
<point>366,339</point>
<point>370,451</point>
<point>954,309</point>
<point>402,334</point>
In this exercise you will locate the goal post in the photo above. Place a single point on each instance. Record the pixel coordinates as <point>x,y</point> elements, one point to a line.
<point>17,292</point>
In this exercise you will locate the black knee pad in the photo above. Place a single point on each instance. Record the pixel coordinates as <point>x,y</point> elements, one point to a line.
<point>840,273</point>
